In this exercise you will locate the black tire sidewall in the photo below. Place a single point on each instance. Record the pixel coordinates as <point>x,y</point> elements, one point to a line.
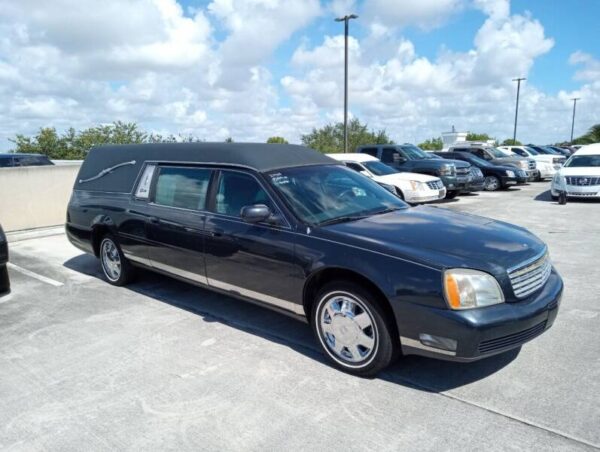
<point>385,349</point>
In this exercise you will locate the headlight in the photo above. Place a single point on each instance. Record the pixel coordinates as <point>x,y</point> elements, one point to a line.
<point>523,164</point>
<point>416,185</point>
<point>510,173</point>
<point>447,170</point>
<point>466,289</point>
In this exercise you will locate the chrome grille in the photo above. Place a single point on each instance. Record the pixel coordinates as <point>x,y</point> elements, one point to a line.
<point>462,171</point>
<point>582,181</point>
<point>435,184</point>
<point>476,173</point>
<point>521,173</point>
<point>530,276</point>
<point>531,164</point>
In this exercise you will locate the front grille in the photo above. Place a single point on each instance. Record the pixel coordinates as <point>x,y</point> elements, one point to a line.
<point>511,340</point>
<point>572,193</point>
<point>462,171</point>
<point>435,184</point>
<point>582,181</point>
<point>531,164</point>
<point>476,173</point>
<point>530,276</point>
<point>521,173</point>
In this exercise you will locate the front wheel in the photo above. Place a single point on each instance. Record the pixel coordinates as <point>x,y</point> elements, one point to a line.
<point>451,194</point>
<point>491,183</point>
<point>352,329</point>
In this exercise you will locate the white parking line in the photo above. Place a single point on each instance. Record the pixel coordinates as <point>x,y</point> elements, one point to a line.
<point>34,275</point>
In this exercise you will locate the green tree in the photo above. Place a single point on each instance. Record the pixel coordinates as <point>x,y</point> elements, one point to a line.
<point>432,144</point>
<point>478,137</point>
<point>277,140</point>
<point>592,136</point>
<point>330,138</point>
<point>511,142</point>
<point>228,140</point>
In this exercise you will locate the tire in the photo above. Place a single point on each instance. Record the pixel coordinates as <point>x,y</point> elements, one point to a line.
<point>554,198</point>
<point>492,183</point>
<point>451,194</point>
<point>117,270</point>
<point>362,348</point>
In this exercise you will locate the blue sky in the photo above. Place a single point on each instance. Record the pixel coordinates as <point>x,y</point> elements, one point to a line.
<point>251,69</point>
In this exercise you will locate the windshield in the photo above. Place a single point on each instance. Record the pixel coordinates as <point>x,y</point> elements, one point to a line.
<point>414,152</point>
<point>532,151</point>
<point>497,153</point>
<point>325,193</point>
<point>378,168</point>
<point>584,160</point>
<point>478,161</point>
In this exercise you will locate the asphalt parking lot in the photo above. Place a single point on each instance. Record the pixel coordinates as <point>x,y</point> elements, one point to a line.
<point>162,365</point>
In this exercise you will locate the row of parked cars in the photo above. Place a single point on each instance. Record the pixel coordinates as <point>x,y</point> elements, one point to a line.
<point>419,177</point>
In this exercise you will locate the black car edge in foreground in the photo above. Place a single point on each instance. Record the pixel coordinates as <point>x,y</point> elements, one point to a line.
<point>4,281</point>
<point>286,227</point>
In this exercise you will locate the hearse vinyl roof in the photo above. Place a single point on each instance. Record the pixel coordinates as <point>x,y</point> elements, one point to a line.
<point>121,164</point>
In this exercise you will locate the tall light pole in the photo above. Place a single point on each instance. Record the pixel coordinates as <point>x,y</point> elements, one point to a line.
<point>346,19</point>
<point>518,80</point>
<point>575,99</point>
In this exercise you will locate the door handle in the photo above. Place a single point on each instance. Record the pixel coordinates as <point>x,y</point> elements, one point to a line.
<point>154,220</point>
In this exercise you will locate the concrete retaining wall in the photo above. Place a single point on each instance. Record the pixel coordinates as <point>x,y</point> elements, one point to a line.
<point>35,196</point>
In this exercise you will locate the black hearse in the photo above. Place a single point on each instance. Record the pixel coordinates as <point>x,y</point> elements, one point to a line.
<point>287,227</point>
<point>4,281</point>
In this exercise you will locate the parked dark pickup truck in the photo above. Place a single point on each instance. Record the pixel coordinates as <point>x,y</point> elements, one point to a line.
<point>455,175</point>
<point>4,282</point>
<point>496,177</point>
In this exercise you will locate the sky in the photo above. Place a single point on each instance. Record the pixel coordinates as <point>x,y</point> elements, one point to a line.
<point>250,69</point>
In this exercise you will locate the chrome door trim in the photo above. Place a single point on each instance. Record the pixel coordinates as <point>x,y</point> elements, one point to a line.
<point>210,282</point>
<point>268,299</point>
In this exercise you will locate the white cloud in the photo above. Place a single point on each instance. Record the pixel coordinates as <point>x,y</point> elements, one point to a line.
<point>591,66</point>
<point>422,13</point>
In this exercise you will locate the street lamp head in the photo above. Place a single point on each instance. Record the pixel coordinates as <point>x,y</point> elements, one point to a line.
<point>346,18</point>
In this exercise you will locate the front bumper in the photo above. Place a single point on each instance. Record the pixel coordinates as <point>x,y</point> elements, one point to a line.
<point>479,333</point>
<point>532,174</point>
<point>476,185</point>
<point>506,180</point>
<point>422,196</point>
<point>577,191</point>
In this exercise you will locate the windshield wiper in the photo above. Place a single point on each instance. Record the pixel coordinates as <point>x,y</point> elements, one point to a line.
<point>341,219</point>
<point>388,210</point>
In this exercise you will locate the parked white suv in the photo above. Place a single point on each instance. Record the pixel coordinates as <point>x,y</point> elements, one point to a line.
<point>414,188</point>
<point>547,165</point>
<point>580,176</point>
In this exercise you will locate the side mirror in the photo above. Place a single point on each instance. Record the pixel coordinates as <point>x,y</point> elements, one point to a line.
<point>399,160</point>
<point>255,213</point>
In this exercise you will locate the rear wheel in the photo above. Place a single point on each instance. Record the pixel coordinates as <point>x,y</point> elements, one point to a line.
<point>491,183</point>
<point>352,329</point>
<point>117,270</point>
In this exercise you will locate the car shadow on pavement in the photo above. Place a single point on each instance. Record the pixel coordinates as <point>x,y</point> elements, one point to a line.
<point>416,372</point>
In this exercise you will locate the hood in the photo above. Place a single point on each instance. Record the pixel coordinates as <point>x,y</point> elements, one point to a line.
<point>398,177</point>
<point>441,238</point>
<point>580,171</point>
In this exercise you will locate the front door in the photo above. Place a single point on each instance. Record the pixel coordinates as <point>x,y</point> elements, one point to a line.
<point>253,260</point>
<point>176,221</point>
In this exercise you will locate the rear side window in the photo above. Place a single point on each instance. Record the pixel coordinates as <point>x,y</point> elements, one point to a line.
<point>370,151</point>
<point>185,188</point>
<point>519,151</point>
<point>237,190</point>
<point>390,155</point>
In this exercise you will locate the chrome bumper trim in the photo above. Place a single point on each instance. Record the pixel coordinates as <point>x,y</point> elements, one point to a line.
<point>407,341</point>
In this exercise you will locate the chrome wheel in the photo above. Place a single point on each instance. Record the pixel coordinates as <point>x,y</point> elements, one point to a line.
<point>111,260</point>
<point>491,183</point>
<point>347,329</point>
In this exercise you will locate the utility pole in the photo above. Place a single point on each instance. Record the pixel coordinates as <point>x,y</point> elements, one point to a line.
<point>518,80</point>
<point>575,99</point>
<point>346,19</point>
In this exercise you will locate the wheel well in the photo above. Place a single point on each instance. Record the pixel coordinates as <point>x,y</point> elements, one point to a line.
<point>98,231</point>
<point>327,275</point>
